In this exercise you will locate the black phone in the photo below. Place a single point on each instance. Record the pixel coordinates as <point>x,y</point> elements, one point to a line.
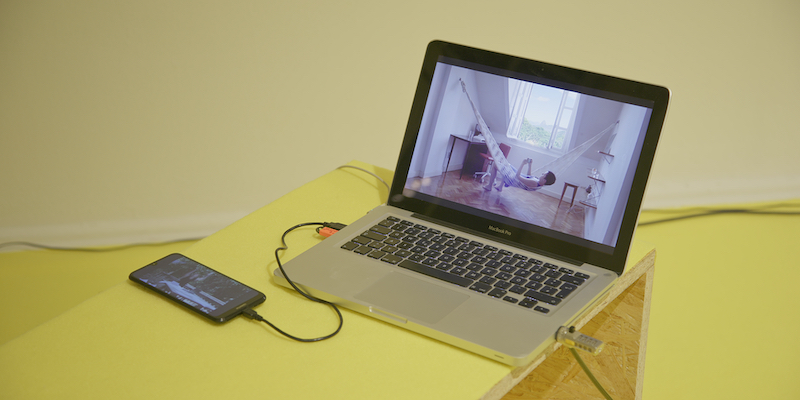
<point>197,287</point>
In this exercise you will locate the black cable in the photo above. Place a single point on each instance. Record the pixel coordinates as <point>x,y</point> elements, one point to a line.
<point>704,212</point>
<point>253,315</point>
<point>367,171</point>
<point>589,373</point>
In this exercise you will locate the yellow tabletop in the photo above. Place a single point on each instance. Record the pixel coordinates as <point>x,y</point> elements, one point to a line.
<point>128,343</point>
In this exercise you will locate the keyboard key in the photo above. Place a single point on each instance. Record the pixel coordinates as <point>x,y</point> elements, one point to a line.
<point>373,235</point>
<point>543,297</point>
<point>480,287</point>
<point>533,285</point>
<point>480,252</point>
<point>458,271</point>
<point>377,254</point>
<point>412,231</point>
<point>444,266</point>
<point>350,245</point>
<point>553,282</point>
<point>452,251</point>
<point>436,246</point>
<point>432,254</point>
<point>502,284</point>
<point>518,289</point>
<point>522,273</point>
<point>539,269</point>
<point>362,250</point>
<point>391,259</point>
<point>488,280</point>
<point>430,262</point>
<point>510,299</point>
<point>362,240</point>
<point>497,293</point>
<point>564,293</point>
<point>403,253</point>
<point>418,249</point>
<point>446,258</point>
<point>461,262</point>
<point>427,235</point>
<point>541,309</point>
<point>381,229</point>
<point>552,274</point>
<point>435,273</point>
<point>503,276</point>
<point>573,280</point>
<point>549,290</point>
<point>479,259</point>
<point>507,268</point>
<point>528,302</point>
<point>494,264</point>
<point>474,267</point>
<point>518,280</point>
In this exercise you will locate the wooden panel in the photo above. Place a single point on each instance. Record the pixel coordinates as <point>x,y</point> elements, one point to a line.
<point>620,320</point>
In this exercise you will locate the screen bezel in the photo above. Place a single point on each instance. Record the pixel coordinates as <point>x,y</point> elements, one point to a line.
<point>556,244</point>
<point>220,315</point>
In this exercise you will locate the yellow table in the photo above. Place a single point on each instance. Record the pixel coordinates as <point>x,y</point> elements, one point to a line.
<point>129,343</point>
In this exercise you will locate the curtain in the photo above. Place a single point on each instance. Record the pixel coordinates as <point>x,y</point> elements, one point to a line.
<point>519,93</point>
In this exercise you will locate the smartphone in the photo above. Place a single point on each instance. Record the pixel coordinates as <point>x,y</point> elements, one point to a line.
<point>197,287</point>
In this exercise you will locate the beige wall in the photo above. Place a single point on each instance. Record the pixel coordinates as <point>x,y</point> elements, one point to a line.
<point>125,121</point>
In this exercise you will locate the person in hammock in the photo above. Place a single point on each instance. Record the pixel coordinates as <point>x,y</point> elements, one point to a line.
<point>531,183</point>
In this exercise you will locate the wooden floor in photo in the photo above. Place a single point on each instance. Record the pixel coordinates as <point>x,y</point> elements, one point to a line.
<point>530,206</point>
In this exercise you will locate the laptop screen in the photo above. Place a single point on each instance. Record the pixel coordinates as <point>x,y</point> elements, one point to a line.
<point>542,156</point>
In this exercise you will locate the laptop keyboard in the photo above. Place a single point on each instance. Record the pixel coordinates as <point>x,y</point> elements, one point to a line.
<point>499,273</point>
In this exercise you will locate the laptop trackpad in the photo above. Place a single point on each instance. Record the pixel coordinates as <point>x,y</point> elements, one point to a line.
<point>412,297</point>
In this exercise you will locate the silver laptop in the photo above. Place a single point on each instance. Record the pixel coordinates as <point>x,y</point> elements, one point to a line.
<point>513,206</point>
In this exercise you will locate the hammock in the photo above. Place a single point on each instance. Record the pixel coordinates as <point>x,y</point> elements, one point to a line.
<point>513,176</point>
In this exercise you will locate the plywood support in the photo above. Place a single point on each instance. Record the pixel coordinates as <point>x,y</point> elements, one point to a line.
<point>621,321</point>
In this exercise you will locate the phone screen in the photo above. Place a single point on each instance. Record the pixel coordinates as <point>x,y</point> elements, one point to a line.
<point>197,287</point>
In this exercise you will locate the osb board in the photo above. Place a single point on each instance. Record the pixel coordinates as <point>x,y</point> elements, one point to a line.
<point>621,321</point>
<point>618,368</point>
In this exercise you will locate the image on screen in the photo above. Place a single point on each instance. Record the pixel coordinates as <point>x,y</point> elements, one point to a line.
<point>196,285</point>
<point>563,162</point>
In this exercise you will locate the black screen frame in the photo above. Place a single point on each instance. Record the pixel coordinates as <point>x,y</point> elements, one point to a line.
<point>558,245</point>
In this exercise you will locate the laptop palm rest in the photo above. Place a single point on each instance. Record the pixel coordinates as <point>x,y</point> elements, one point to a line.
<point>412,297</point>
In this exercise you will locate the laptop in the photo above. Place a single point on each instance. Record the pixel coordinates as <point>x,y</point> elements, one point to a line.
<point>475,247</point>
